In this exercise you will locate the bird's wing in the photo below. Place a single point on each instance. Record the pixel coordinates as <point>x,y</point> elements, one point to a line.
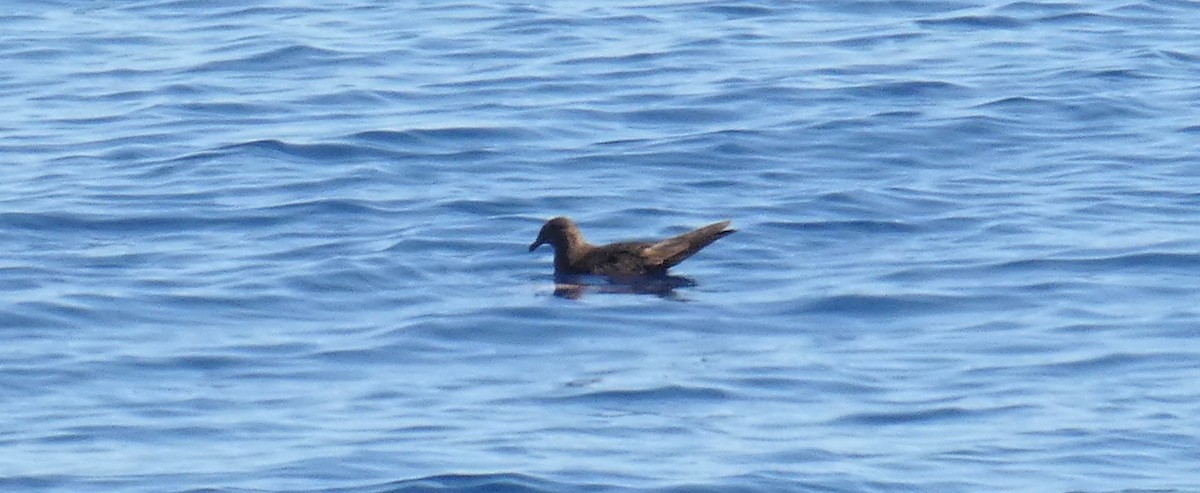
<point>672,251</point>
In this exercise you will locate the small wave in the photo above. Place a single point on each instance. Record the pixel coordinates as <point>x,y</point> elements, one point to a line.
<point>37,54</point>
<point>976,22</point>
<point>933,415</point>
<point>894,8</point>
<point>471,483</point>
<point>310,151</point>
<point>877,39</point>
<point>1129,261</point>
<point>662,395</point>
<point>50,317</point>
<point>1077,18</point>
<point>543,23</point>
<point>288,57</point>
<point>739,11</point>
<point>106,223</point>
<point>1108,364</point>
<point>339,207</point>
<point>225,109</point>
<point>617,60</point>
<point>447,135</point>
<point>919,89</point>
<point>1039,7</point>
<point>679,115</point>
<point>860,226</point>
<point>1024,103</point>
<point>1182,56</point>
<point>38,483</point>
<point>886,305</point>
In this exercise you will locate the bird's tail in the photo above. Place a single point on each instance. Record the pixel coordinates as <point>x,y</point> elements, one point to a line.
<point>672,251</point>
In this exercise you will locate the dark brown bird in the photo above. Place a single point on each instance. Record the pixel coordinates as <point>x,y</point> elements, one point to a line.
<point>573,255</point>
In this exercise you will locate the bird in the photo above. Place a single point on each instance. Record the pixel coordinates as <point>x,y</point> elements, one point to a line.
<point>573,255</point>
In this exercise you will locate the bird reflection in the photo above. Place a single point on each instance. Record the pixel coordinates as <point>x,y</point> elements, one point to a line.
<point>574,287</point>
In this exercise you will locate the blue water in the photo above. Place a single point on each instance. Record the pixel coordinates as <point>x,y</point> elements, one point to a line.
<point>276,248</point>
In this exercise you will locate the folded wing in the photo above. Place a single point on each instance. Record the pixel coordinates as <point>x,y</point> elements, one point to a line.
<point>671,251</point>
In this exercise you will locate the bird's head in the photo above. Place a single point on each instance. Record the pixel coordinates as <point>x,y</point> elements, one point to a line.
<point>559,233</point>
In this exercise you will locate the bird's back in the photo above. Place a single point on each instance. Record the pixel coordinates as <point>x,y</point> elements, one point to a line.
<point>633,258</point>
<point>618,259</point>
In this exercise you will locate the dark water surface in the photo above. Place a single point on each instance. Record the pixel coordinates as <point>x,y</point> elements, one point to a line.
<point>281,247</point>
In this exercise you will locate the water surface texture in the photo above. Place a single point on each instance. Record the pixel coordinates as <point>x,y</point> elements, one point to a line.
<point>281,247</point>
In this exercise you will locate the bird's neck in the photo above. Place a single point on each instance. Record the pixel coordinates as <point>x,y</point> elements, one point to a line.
<point>567,254</point>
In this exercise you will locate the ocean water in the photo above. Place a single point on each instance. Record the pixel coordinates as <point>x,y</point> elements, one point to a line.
<point>281,247</point>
